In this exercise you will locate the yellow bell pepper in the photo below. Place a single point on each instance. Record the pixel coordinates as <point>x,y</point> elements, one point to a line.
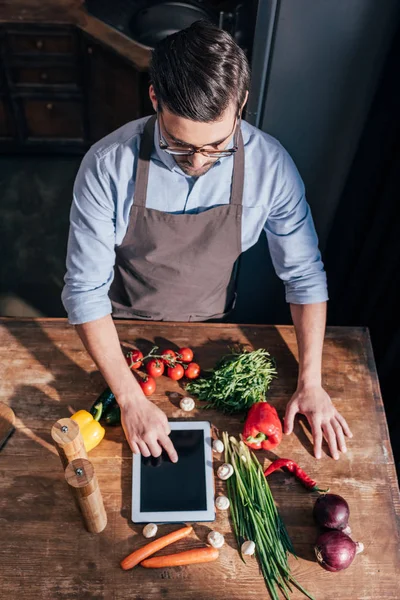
<point>91,430</point>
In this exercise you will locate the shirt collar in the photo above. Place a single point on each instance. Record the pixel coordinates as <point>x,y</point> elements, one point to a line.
<point>168,160</point>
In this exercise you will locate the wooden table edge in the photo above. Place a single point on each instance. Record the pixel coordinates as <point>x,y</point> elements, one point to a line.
<point>343,328</point>
<point>376,391</point>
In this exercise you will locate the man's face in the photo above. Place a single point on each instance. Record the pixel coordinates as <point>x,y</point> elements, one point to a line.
<point>182,133</point>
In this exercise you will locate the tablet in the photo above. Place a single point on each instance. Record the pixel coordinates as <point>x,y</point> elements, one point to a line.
<point>166,492</point>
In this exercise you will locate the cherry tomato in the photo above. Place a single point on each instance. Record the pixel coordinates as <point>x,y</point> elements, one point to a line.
<point>186,354</point>
<point>176,372</point>
<point>155,367</point>
<point>169,357</point>
<point>134,359</point>
<point>192,371</point>
<point>148,385</point>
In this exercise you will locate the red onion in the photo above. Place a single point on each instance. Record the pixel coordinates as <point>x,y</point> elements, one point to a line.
<point>332,511</point>
<point>335,550</point>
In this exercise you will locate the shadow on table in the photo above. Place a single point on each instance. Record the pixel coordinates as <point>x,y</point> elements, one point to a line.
<point>69,381</point>
<point>38,343</point>
<point>37,410</point>
<point>207,354</point>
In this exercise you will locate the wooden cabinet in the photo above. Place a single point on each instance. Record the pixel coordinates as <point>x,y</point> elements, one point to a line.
<point>42,89</point>
<point>49,118</point>
<point>41,41</point>
<point>62,90</point>
<point>44,75</point>
<point>115,91</point>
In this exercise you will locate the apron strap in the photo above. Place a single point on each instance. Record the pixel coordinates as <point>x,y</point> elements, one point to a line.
<point>238,173</point>
<point>142,173</point>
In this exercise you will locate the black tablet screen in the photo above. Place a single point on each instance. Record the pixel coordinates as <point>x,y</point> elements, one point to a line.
<point>181,486</point>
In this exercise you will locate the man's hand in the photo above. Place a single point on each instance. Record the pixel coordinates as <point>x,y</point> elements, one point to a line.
<point>146,428</point>
<point>325,420</point>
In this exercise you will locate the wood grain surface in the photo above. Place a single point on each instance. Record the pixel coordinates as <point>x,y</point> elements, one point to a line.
<point>82,479</point>
<point>69,443</point>
<point>73,12</point>
<point>7,423</point>
<point>45,551</point>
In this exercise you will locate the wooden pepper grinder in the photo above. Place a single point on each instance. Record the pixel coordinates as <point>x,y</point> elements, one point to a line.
<point>83,482</point>
<point>68,441</point>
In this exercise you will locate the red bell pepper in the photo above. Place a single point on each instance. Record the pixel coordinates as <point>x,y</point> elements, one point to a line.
<point>262,428</point>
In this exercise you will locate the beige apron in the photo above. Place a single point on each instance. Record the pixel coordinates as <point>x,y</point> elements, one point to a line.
<point>178,267</point>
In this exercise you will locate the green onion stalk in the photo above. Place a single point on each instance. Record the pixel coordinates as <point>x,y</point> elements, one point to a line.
<point>256,518</point>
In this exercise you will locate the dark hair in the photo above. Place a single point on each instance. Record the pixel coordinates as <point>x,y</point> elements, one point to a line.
<point>197,72</point>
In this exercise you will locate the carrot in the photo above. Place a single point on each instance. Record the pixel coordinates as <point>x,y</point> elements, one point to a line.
<point>189,557</point>
<point>140,554</point>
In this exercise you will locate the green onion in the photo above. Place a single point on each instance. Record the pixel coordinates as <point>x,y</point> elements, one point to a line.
<point>237,382</point>
<point>256,518</point>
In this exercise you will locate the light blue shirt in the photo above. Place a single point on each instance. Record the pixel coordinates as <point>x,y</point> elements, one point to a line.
<point>104,190</point>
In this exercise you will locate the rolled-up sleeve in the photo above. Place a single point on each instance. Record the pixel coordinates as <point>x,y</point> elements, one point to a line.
<point>91,243</point>
<point>292,239</point>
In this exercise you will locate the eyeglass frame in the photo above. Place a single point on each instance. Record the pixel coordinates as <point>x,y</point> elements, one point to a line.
<point>195,150</point>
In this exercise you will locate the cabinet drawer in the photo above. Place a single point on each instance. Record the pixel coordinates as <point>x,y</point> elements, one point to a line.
<point>53,118</point>
<point>56,75</point>
<point>41,43</point>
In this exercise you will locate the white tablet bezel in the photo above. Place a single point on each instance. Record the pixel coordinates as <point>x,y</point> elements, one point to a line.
<point>207,515</point>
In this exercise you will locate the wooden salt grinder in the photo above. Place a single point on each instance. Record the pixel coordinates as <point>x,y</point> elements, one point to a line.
<point>68,441</point>
<point>83,482</point>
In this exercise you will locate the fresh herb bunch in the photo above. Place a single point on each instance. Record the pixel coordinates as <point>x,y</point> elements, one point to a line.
<point>238,381</point>
<point>256,518</point>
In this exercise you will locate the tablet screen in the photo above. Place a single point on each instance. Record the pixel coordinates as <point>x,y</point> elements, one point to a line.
<point>181,486</point>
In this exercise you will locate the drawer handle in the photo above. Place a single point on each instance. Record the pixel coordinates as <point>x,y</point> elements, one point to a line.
<point>39,44</point>
<point>43,76</point>
<point>49,106</point>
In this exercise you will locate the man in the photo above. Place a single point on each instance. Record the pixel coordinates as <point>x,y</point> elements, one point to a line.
<point>162,209</point>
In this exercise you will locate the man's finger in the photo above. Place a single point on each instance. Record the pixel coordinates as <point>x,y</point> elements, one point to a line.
<point>169,448</point>
<point>344,425</point>
<point>135,448</point>
<point>291,412</point>
<point>144,449</point>
<point>331,439</point>
<point>317,436</point>
<point>339,435</point>
<point>154,447</point>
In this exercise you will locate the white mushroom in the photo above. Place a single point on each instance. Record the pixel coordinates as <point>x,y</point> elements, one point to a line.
<point>218,446</point>
<point>150,530</point>
<point>225,471</point>
<point>248,548</point>
<point>187,404</point>
<point>222,503</point>
<point>215,539</point>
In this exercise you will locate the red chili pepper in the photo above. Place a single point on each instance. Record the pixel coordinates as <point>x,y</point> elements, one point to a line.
<point>262,428</point>
<point>292,467</point>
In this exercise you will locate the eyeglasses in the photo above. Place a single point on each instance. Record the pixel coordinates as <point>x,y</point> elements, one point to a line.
<point>209,152</point>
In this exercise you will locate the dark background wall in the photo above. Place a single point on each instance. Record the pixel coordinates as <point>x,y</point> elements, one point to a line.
<point>316,69</point>
<point>332,97</point>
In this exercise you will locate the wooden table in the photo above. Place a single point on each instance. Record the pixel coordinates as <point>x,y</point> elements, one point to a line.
<point>45,552</point>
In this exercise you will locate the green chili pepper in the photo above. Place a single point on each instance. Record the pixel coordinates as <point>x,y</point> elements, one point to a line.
<point>113,416</point>
<point>107,400</point>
